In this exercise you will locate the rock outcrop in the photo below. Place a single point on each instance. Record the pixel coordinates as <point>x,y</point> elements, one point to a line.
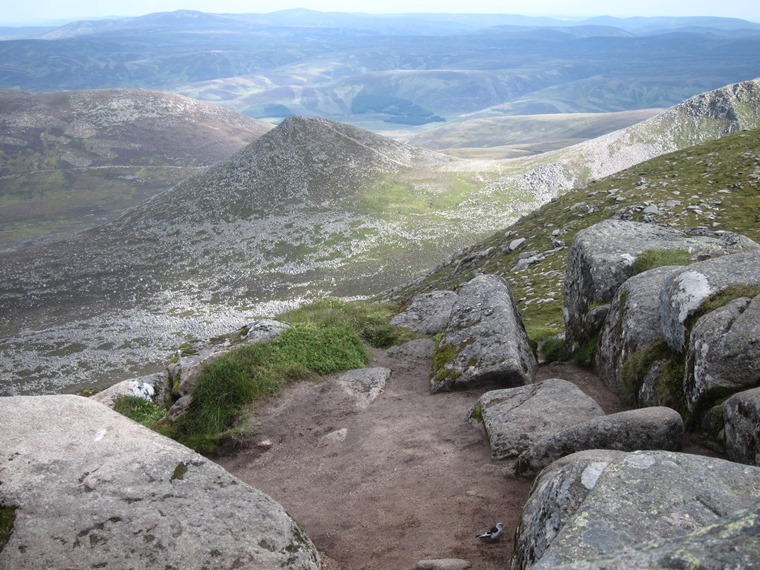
<point>741,414</point>
<point>651,495</point>
<point>557,493</point>
<point>724,353</point>
<point>93,489</point>
<point>485,340</point>
<point>684,292</point>
<point>601,260</point>
<point>648,428</point>
<point>514,419</point>
<point>632,323</point>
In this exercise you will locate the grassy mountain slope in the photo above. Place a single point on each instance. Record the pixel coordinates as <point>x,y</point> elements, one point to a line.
<point>714,185</point>
<point>312,208</point>
<point>74,159</point>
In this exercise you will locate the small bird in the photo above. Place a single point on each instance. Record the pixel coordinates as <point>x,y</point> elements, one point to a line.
<point>493,534</point>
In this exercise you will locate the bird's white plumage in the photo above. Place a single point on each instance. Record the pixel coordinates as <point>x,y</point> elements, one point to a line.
<point>492,534</point>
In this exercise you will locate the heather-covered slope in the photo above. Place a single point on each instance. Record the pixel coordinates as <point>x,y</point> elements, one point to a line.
<point>74,159</point>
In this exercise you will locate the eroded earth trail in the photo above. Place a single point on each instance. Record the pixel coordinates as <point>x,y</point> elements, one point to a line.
<point>409,479</point>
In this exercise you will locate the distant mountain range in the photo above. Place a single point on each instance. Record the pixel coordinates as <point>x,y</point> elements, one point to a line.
<point>75,159</point>
<point>312,208</point>
<point>390,71</point>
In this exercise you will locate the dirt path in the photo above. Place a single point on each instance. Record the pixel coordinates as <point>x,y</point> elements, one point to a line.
<point>410,480</point>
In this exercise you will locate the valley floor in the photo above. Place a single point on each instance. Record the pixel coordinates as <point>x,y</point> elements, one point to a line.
<point>411,480</point>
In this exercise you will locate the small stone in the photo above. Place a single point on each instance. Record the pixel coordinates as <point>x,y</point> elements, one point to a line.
<point>443,564</point>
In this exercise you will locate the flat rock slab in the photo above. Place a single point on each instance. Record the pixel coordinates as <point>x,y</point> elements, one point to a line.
<point>741,413</point>
<point>427,313</point>
<point>652,495</point>
<point>365,384</point>
<point>93,489</point>
<point>514,419</point>
<point>647,428</point>
<point>485,340</point>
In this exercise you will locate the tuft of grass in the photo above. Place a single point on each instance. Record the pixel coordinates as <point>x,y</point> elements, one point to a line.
<point>723,298</point>
<point>553,349</point>
<point>250,373</point>
<point>370,320</point>
<point>138,409</point>
<point>652,258</point>
<point>668,384</point>
<point>179,472</point>
<point>7,518</point>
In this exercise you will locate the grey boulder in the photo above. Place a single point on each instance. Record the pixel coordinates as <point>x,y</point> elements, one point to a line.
<point>92,489</point>
<point>648,428</point>
<point>602,256</point>
<point>632,323</point>
<point>684,291</point>
<point>364,384</point>
<point>514,419</point>
<point>741,415</point>
<point>724,353</point>
<point>557,493</point>
<point>651,495</point>
<point>485,340</point>
<point>427,313</point>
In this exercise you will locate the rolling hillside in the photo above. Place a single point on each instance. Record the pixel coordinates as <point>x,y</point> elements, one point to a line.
<point>312,208</point>
<point>75,159</point>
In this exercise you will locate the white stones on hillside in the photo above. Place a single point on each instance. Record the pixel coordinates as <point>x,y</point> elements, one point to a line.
<point>485,340</point>
<point>92,488</point>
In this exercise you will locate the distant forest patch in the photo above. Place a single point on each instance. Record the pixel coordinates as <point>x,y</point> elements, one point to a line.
<point>399,110</point>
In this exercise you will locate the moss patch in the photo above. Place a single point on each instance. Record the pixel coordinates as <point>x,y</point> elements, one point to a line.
<point>668,385</point>
<point>652,258</point>
<point>7,518</point>
<point>138,409</point>
<point>179,472</point>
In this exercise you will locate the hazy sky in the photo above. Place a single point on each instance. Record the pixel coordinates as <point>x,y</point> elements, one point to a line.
<point>42,11</point>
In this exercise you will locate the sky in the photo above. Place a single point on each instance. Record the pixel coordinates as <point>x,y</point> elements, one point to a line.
<point>57,11</point>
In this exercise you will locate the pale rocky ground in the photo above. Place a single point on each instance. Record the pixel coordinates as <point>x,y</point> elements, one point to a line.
<point>408,480</point>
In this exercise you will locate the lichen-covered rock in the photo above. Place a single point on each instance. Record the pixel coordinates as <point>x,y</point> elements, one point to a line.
<point>485,340</point>
<point>93,489</point>
<point>741,416</point>
<point>557,493</point>
<point>427,313</point>
<point>647,428</point>
<point>724,353</point>
<point>153,387</point>
<point>601,259</point>
<point>732,542</point>
<point>516,418</point>
<point>651,495</point>
<point>684,291</point>
<point>633,322</point>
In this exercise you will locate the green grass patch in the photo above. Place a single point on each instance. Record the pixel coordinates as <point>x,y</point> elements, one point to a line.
<point>138,409</point>
<point>668,385</point>
<point>7,518</point>
<point>723,298</point>
<point>249,373</point>
<point>553,349</point>
<point>652,258</point>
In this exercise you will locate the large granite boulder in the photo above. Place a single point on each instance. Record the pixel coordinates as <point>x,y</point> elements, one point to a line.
<point>485,340</point>
<point>651,495</point>
<point>732,542</point>
<point>632,323</point>
<point>557,493</point>
<point>92,489</point>
<point>684,292</point>
<point>724,353</point>
<point>514,419</point>
<point>602,256</point>
<point>647,428</point>
<point>741,416</point>
<point>427,313</point>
